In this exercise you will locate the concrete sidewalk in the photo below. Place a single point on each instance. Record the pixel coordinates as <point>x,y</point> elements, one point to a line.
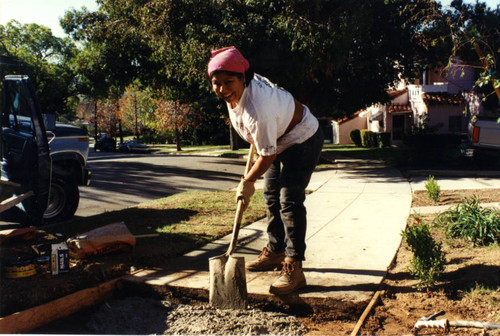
<point>355,216</point>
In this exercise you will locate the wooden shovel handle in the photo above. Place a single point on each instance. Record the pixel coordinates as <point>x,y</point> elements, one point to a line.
<point>239,208</point>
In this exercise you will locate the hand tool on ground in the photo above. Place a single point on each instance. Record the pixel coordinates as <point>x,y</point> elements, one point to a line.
<point>228,285</point>
<point>430,322</point>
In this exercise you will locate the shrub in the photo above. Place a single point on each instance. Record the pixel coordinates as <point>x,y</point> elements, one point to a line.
<point>355,136</point>
<point>470,221</point>
<point>433,189</point>
<point>428,261</point>
<point>368,138</point>
<point>384,139</point>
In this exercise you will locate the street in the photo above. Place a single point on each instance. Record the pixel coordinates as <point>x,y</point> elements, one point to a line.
<point>123,180</point>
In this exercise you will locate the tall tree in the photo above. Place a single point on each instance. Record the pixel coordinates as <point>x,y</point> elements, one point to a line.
<point>470,32</point>
<point>175,117</point>
<point>337,56</point>
<point>46,59</point>
<point>137,108</point>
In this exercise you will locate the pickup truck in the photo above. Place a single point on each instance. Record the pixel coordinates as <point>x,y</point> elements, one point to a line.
<point>484,136</point>
<point>43,162</point>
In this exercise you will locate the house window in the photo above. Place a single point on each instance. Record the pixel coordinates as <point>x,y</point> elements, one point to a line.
<point>455,124</point>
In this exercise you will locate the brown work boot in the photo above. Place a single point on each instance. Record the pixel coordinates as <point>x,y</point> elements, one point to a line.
<point>291,278</point>
<point>266,261</point>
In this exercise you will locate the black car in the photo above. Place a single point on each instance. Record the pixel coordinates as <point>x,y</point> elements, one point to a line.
<point>105,144</point>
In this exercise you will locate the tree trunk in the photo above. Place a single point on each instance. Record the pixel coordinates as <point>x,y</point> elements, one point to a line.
<point>233,138</point>
<point>120,131</point>
<point>178,140</point>
<point>96,129</point>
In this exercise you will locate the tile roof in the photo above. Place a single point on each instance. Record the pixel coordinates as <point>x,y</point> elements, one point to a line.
<point>439,98</point>
<point>346,119</point>
<point>399,108</point>
<point>396,93</point>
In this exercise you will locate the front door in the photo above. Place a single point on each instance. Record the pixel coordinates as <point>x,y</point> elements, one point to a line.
<point>398,127</point>
<point>24,148</point>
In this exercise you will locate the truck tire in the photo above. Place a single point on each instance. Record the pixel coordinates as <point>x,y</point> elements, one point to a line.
<point>63,201</point>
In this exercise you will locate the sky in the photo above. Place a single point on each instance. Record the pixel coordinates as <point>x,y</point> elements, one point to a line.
<point>48,12</point>
<point>43,12</point>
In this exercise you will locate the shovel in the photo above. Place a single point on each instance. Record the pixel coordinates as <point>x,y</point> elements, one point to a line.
<point>228,285</point>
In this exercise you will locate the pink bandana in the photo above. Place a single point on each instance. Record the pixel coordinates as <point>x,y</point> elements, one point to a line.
<point>227,59</point>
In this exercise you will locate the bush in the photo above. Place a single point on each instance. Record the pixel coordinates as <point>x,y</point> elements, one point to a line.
<point>384,139</point>
<point>433,189</point>
<point>355,136</point>
<point>428,260</point>
<point>368,138</point>
<point>470,221</point>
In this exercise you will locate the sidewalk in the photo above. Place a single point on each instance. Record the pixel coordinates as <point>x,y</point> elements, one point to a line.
<point>355,216</point>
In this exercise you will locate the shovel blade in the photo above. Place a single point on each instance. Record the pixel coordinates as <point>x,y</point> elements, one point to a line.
<point>228,285</point>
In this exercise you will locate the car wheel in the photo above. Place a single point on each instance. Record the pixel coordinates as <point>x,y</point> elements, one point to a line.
<point>63,201</point>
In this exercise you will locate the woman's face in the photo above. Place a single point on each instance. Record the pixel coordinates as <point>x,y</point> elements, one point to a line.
<point>228,87</point>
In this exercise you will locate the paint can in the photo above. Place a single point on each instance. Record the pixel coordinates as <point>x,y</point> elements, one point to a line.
<point>19,269</point>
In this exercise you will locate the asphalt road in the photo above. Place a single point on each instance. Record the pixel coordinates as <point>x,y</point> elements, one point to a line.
<point>121,180</point>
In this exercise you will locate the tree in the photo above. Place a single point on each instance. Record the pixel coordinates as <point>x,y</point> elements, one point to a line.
<point>46,59</point>
<point>470,32</point>
<point>175,117</point>
<point>336,56</point>
<point>137,109</point>
<point>107,115</point>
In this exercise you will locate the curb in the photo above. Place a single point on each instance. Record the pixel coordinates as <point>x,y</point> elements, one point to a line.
<point>452,173</point>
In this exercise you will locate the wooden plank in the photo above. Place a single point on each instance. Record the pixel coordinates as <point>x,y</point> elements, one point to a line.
<point>11,201</point>
<point>39,316</point>
<point>6,188</point>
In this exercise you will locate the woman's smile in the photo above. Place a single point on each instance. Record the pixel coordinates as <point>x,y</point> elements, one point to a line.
<point>228,87</point>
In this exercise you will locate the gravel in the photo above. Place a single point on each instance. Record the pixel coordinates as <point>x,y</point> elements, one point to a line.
<point>141,316</point>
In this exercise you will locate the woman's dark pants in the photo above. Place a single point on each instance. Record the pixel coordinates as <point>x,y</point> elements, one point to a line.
<point>285,184</point>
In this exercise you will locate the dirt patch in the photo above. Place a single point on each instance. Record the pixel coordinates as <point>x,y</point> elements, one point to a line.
<point>451,197</point>
<point>468,290</point>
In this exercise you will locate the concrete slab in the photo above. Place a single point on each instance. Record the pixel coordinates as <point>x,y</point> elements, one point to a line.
<point>355,216</point>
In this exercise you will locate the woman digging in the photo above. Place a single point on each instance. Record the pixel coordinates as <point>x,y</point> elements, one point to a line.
<point>288,140</point>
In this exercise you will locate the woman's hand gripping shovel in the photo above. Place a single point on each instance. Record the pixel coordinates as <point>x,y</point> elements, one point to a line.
<point>228,285</point>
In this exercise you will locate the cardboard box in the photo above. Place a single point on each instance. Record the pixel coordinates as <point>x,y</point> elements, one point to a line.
<point>59,258</point>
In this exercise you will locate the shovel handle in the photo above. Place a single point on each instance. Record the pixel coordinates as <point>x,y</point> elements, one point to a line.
<point>239,208</point>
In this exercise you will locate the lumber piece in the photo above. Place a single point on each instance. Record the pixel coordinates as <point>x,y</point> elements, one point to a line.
<point>367,310</point>
<point>30,319</point>
<point>11,201</point>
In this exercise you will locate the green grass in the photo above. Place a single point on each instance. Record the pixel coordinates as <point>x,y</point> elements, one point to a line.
<point>214,150</point>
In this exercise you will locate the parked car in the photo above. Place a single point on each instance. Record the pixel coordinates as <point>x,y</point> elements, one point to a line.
<point>133,146</point>
<point>105,144</point>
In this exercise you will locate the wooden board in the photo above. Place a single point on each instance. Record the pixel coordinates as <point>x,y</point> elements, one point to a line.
<point>39,316</point>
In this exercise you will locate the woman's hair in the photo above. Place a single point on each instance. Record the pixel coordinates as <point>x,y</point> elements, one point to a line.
<point>248,75</point>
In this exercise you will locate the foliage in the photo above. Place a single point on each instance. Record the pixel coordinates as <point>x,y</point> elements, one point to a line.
<point>466,31</point>
<point>428,260</point>
<point>433,189</point>
<point>384,139</point>
<point>335,56</point>
<point>107,116</point>
<point>45,58</point>
<point>368,138</point>
<point>355,136</point>
<point>470,221</point>
<point>137,109</point>
<point>175,117</point>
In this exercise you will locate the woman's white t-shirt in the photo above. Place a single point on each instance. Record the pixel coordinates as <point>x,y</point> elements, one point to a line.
<point>263,115</point>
